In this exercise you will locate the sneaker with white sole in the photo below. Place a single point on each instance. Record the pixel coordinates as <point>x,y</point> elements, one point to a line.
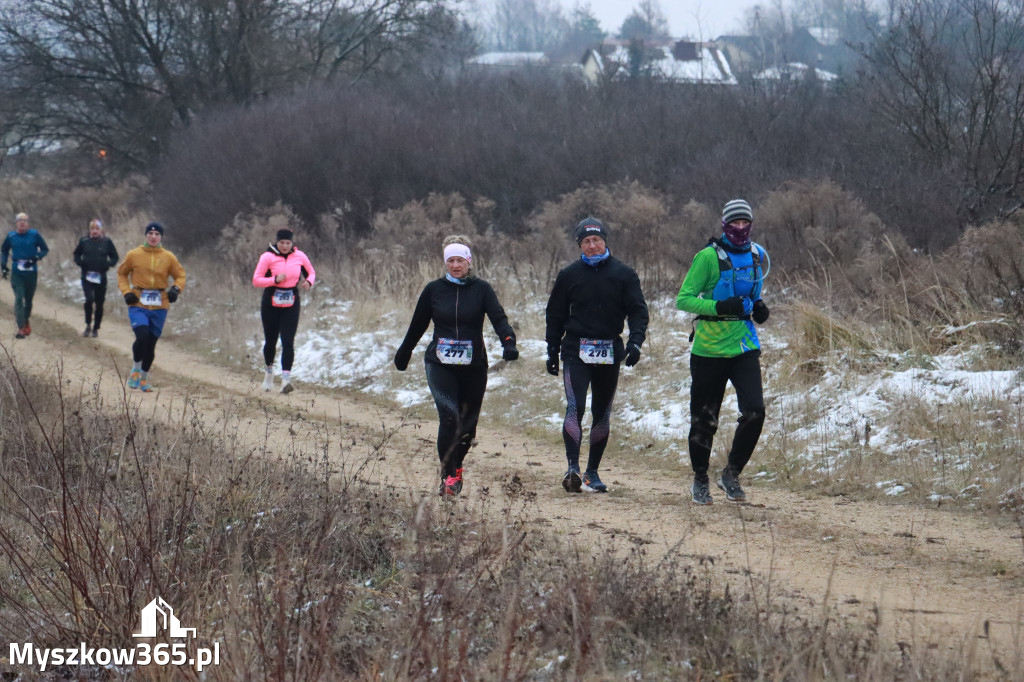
<point>572,481</point>
<point>268,381</point>
<point>730,484</point>
<point>286,386</point>
<point>592,482</point>
<point>701,492</point>
<point>134,378</point>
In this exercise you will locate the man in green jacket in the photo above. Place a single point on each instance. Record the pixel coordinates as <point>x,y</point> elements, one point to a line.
<point>723,288</point>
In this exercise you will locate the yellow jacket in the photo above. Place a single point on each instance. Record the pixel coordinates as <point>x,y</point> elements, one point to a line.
<point>148,267</point>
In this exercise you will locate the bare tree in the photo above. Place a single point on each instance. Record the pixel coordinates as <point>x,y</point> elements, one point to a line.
<point>119,74</point>
<point>524,25</point>
<point>949,74</point>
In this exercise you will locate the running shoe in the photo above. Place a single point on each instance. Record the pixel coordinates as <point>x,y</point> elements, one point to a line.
<point>458,477</point>
<point>592,482</point>
<point>572,481</point>
<point>95,332</point>
<point>88,331</point>
<point>27,330</point>
<point>286,386</point>
<point>730,483</point>
<point>20,334</point>
<point>450,486</point>
<point>134,378</point>
<point>701,492</point>
<point>268,381</point>
<point>144,386</point>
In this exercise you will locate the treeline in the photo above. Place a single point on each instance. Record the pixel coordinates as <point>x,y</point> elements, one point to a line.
<point>348,154</point>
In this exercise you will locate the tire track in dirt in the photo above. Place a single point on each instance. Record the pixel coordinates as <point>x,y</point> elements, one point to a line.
<point>928,577</point>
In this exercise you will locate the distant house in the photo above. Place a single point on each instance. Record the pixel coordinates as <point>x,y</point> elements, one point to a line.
<point>795,72</point>
<point>745,54</point>
<point>817,47</point>
<point>508,60</point>
<point>680,61</point>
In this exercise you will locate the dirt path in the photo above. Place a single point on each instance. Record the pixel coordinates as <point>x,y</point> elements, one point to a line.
<point>930,577</point>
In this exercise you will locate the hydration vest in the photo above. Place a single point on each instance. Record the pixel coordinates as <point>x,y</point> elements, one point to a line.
<point>738,272</point>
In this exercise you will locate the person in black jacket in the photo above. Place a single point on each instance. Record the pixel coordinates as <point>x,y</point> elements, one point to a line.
<point>589,302</point>
<point>95,254</point>
<point>456,360</point>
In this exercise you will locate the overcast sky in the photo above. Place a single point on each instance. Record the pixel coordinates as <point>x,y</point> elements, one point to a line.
<point>699,19</point>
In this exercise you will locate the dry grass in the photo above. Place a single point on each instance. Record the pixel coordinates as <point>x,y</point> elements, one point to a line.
<point>299,571</point>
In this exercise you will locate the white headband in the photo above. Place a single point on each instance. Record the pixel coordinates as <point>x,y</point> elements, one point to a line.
<point>460,250</point>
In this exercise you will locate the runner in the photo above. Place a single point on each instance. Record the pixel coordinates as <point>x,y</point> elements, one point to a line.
<point>26,247</point>
<point>281,272</point>
<point>723,288</point>
<point>456,359</point>
<point>95,254</point>
<point>142,278</point>
<point>590,301</point>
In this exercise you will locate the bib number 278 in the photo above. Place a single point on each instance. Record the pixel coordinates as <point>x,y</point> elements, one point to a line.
<point>597,351</point>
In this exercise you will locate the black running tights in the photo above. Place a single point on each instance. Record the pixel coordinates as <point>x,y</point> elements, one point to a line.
<point>602,380</point>
<point>458,393</point>
<point>710,376</point>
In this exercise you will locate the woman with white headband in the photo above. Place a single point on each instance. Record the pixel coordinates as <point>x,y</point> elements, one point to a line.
<point>456,359</point>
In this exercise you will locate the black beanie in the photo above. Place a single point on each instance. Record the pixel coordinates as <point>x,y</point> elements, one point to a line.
<point>154,226</point>
<point>590,226</point>
<point>284,233</point>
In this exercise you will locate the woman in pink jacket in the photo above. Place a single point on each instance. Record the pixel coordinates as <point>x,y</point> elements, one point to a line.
<point>282,272</point>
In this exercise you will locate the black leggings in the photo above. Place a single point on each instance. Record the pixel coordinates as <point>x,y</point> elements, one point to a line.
<point>458,393</point>
<point>144,348</point>
<point>709,379</point>
<point>279,322</point>
<point>603,380</point>
<point>95,294</point>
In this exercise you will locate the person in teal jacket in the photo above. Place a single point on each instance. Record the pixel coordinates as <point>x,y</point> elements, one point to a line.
<point>723,288</point>
<point>25,248</point>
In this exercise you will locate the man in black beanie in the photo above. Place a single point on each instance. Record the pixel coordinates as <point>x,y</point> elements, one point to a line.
<point>589,303</point>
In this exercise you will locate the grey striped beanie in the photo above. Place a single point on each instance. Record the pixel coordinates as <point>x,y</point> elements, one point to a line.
<point>737,209</point>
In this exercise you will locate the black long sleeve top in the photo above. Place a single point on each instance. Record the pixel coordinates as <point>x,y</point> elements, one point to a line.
<point>594,302</point>
<point>457,312</point>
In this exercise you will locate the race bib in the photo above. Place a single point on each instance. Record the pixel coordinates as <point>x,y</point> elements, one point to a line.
<point>94,277</point>
<point>597,351</point>
<point>150,297</point>
<point>283,298</point>
<point>24,265</point>
<point>454,351</point>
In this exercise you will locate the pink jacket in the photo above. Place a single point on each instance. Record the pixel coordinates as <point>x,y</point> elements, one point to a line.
<point>272,263</point>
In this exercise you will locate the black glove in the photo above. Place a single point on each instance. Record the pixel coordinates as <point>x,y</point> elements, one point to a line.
<point>4,272</point>
<point>632,354</point>
<point>172,294</point>
<point>402,357</point>
<point>760,312</point>
<point>510,353</point>
<point>131,298</point>
<point>731,307</point>
<point>552,365</point>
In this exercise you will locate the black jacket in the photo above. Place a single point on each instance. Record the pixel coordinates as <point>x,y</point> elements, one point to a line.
<point>458,313</point>
<point>594,302</point>
<point>95,255</point>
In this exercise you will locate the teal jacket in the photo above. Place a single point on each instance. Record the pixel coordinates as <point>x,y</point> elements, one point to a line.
<point>25,249</point>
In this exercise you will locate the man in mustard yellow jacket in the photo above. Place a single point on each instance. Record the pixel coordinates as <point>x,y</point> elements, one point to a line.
<point>142,278</point>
